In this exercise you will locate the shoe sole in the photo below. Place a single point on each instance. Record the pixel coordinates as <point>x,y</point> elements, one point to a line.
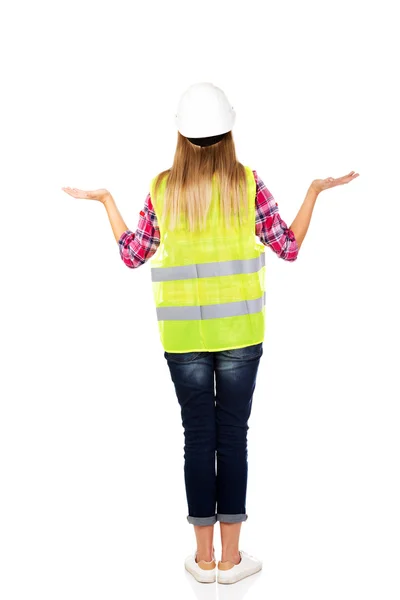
<point>239,576</point>
<point>199,578</point>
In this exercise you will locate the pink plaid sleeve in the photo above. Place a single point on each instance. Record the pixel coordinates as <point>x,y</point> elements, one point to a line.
<point>270,228</point>
<point>136,248</point>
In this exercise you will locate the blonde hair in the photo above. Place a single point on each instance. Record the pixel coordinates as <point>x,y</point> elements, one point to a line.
<point>188,189</point>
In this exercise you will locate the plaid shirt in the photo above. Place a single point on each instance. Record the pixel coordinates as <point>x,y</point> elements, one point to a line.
<point>136,248</point>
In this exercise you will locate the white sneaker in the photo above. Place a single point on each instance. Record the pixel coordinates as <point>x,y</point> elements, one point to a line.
<point>228,572</point>
<point>203,571</point>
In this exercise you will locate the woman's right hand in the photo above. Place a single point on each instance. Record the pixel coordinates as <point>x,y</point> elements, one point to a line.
<point>102,195</point>
<point>319,185</point>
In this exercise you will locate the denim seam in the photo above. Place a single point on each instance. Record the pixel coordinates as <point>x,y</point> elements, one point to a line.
<point>226,518</point>
<point>202,520</point>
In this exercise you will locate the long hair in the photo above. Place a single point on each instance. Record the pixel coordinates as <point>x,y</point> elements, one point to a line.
<point>188,189</point>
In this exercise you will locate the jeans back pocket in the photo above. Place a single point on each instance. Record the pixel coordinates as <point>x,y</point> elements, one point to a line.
<point>253,351</point>
<point>183,357</point>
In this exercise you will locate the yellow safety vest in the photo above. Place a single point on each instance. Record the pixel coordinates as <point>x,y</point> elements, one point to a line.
<point>209,286</point>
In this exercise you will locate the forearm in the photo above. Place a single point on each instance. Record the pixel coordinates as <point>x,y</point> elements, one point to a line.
<point>303,217</point>
<point>117,223</point>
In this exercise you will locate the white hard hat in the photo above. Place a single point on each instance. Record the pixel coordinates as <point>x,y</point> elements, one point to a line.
<point>204,111</point>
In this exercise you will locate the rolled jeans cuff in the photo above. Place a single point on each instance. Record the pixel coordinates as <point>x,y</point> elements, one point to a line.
<point>202,520</point>
<point>231,518</point>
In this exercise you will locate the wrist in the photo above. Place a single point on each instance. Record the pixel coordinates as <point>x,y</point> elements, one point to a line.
<point>107,199</point>
<point>313,192</point>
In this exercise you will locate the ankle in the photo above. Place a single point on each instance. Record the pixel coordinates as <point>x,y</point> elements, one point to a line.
<point>206,556</point>
<point>232,556</point>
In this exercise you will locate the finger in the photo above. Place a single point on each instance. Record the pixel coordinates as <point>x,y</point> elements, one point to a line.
<point>79,193</point>
<point>346,179</point>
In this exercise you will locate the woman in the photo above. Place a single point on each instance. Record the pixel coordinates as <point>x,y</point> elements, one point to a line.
<point>209,219</point>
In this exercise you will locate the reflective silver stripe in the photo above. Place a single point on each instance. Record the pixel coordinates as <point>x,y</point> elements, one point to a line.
<point>210,269</point>
<point>210,311</point>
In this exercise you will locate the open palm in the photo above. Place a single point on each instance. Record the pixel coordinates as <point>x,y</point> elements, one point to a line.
<point>100,195</point>
<point>323,184</point>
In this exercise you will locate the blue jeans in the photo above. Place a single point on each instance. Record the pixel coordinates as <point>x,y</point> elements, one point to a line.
<point>214,415</point>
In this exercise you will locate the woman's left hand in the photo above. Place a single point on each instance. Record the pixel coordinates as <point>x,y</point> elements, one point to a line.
<point>100,195</point>
<point>319,185</point>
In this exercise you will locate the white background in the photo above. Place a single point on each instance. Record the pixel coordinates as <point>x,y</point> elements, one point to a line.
<point>92,501</point>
